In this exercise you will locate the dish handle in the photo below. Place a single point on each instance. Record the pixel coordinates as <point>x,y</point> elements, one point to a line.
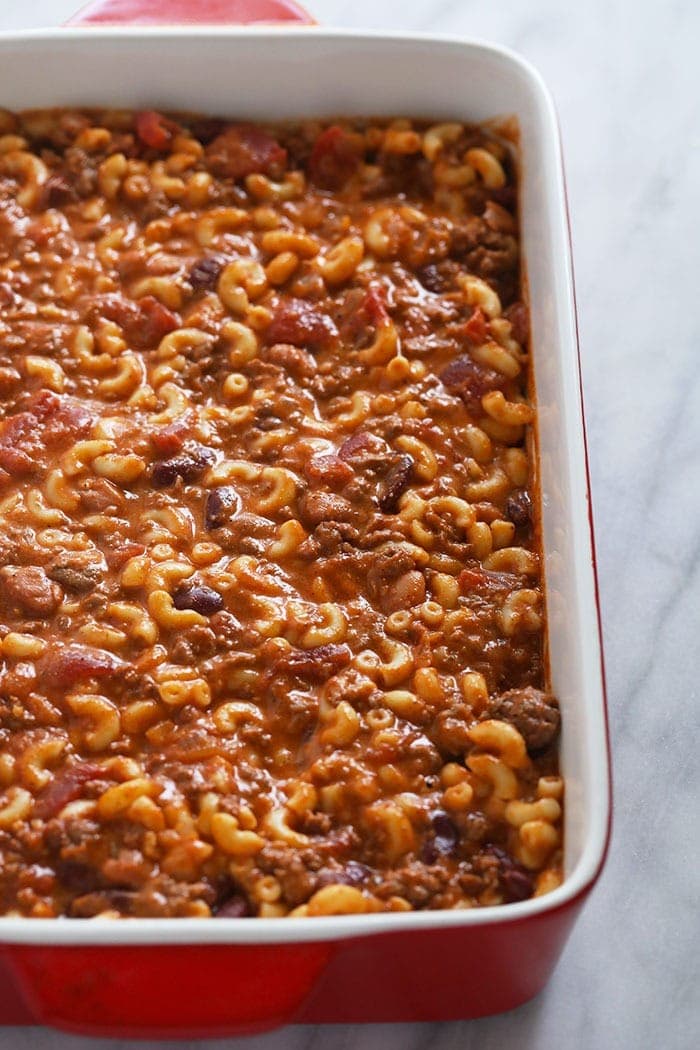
<point>190,12</point>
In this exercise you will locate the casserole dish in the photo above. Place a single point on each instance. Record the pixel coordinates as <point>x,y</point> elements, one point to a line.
<point>232,976</point>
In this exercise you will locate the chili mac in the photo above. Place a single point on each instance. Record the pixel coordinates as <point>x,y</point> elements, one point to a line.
<point>271,605</point>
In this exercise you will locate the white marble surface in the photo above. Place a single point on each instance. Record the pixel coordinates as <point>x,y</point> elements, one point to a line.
<point>625,77</point>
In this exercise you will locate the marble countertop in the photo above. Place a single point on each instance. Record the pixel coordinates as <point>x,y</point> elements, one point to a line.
<point>625,78</point>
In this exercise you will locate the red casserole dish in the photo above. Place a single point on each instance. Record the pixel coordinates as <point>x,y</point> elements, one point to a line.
<point>191,977</point>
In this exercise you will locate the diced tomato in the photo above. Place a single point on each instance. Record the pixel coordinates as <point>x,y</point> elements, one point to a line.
<point>328,469</point>
<point>243,149</point>
<point>374,305</point>
<point>20,444</point>
<point>66,665</point>
<point>47,421</point>
<point>144,322</point>
<point>476,579</point>
<point>335,157</point>
<point>472,579</point>
<point>363,449</point>
<point>115,308</point>
<point>65,788</point>
<point>154,130</point>
<point>154,322</point>
<point>60,416</point>
<point>169,440</point>
<point>477,327</point>
<point>301,324</point>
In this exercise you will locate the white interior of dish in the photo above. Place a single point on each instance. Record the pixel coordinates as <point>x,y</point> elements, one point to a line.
<point>280,73</point>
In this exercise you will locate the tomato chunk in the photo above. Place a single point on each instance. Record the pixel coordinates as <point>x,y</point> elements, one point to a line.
<point>301,324</point>
<point>47,421</point>
<point>154,130</point>
<point>477,327</point>
<point>154,322</point>
<point>374,305</point>
<point>65,788</point>
<point>66,665</point>
<point>243,149</point>
<point>335,157</point>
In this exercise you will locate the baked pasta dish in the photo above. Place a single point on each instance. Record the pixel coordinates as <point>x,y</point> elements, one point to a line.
<point>271,605</point>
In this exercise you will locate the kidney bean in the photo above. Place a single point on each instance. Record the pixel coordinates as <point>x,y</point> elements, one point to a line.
<point>444,840</point>
<point>470,380</point>
<point>515,881</point>
<point>187,466</point>
<point>236,907</point>
<point>446,833</point>
<point>517,884</point>
<point>205,272</point>
<point>198,597</point>
<point>221,503</point>
<point>395,484</point>
<point>519,508</point>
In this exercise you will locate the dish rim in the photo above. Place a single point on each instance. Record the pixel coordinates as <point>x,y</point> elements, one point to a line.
<point>153,931</point>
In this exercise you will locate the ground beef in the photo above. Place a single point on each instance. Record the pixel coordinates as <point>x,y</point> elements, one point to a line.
<point>534,713</point>
<point>193,644</point>
<point>293,359</point>
<point>245,534</point>
<point>313,665</point>
<point>486,251</point>
<point>416,882</point>
<point>77,571</point>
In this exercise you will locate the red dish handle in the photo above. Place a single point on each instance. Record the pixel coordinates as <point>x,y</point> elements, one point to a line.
<point>189,12</point>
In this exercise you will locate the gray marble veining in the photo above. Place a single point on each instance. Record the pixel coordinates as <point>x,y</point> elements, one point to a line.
<point>625,78</point>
